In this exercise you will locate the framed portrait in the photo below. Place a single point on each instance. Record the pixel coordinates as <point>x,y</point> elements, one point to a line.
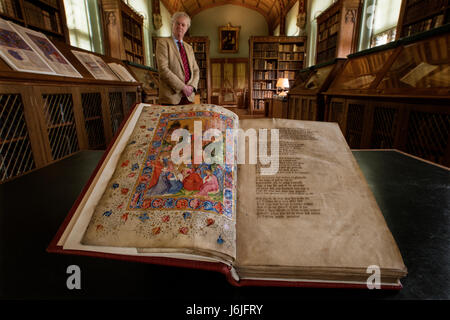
<point>229,39</point>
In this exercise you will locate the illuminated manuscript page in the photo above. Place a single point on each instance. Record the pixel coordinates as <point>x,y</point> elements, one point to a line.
<point>147,203</point>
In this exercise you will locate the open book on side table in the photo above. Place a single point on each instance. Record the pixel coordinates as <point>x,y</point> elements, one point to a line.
<point>302,214</point>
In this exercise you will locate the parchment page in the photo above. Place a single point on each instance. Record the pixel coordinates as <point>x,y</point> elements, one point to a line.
<point>153,204</point>
<point>316,212</point>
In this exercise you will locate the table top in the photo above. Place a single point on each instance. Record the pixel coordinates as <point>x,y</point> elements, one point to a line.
<point>413,195</point>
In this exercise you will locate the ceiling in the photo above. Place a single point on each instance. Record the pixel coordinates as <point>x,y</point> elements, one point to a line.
<point>272,10</point>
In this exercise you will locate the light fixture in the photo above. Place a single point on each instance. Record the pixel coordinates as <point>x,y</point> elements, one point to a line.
<point>282,84</point>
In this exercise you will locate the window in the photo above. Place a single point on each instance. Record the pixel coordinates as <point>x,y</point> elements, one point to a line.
<point>83,22</point>
<point>379,22</point>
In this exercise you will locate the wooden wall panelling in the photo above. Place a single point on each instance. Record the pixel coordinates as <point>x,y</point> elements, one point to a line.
<point>21,149</point>
<point>60,126</point>
<point>229,81</point>
<point>92,104</point>
<point>337,112</point>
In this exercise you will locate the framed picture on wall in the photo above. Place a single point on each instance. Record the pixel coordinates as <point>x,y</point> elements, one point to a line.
<point>229,39</point>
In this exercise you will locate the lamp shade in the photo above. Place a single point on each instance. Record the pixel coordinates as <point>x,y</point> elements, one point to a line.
<point>283,83</point>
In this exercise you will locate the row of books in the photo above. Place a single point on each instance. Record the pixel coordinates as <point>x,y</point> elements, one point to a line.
<point>52,3</point>
<point>424,25</point>
<point>202,84</point>
<point>262,85</point>
<point>329,43</point>
<point>326,55</point>
<point>422,8</point>
<point>265,54</point>
<point>42,18</point>
<point>290,47</point>
<point>264,64</point>
<point>201,63</point>
<point>262,94</point>
<point>200,56</point>
<point>9,8</point>
<point>265,75</point>
<point>329,32</point>
<point>329,22</point>
<point>265,46</point>
<point>134,58</point>
<point>198,46</point>
<point>130,27</point>
<point>287,74</point>
<point>132,46</point>
<point>280,47</point>
<point>291,56</point>
<point>289,65</point>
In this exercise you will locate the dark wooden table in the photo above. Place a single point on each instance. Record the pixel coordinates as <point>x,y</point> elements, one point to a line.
<point>413,195</point>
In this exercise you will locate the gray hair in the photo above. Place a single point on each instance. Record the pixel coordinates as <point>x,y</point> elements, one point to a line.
<point>179,14</point>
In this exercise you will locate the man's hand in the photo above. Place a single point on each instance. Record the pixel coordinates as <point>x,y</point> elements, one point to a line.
<point>187,90</point>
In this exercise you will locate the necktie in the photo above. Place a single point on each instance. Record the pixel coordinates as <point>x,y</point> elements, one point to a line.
<point>187,73</point>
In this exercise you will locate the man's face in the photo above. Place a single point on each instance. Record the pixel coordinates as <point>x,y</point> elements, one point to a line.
<point>180,27</point>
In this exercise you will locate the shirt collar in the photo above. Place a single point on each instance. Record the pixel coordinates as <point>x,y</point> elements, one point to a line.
<point>176,41</point>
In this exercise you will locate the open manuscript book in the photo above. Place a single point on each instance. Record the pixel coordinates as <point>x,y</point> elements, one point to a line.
<point>312,221</point>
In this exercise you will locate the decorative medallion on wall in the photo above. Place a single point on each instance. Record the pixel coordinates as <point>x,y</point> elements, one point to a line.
<point>157,18</point>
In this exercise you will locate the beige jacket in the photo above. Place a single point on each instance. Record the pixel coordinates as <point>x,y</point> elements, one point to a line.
<point>171,72</point>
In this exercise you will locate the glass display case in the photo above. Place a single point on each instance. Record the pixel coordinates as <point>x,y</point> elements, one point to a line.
<point>305,101</point>
<point>422,67</point>
<point>362,68</point>
<point>397,97</point>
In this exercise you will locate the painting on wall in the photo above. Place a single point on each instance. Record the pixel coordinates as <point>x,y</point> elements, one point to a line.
<point>229,39</point>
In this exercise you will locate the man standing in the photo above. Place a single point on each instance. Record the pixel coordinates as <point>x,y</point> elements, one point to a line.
<point>178,70</point>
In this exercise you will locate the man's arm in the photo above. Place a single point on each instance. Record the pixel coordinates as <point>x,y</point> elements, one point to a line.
<point>165,74</point>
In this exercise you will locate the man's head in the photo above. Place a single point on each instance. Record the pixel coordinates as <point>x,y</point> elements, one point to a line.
<point>180,24</point>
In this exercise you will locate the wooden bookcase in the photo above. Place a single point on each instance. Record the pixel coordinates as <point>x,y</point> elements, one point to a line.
<point>123,31</point>
<point>46,16</point>
<point>336,30</point>
<point>201,51</point>
<point>272,58</point>
<point>422,15</point>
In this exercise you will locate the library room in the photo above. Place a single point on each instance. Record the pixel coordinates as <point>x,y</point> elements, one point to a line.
<point>253,149</point>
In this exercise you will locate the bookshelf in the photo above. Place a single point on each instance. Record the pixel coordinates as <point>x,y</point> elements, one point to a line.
<point>272,58</point>
<point>336,28</point>
<point>201,51</point>
<point>46,16</point>
<point>422,15</point>
<point>124,31</point>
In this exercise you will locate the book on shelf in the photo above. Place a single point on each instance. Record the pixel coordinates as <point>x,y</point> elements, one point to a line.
<point>299,215</point>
